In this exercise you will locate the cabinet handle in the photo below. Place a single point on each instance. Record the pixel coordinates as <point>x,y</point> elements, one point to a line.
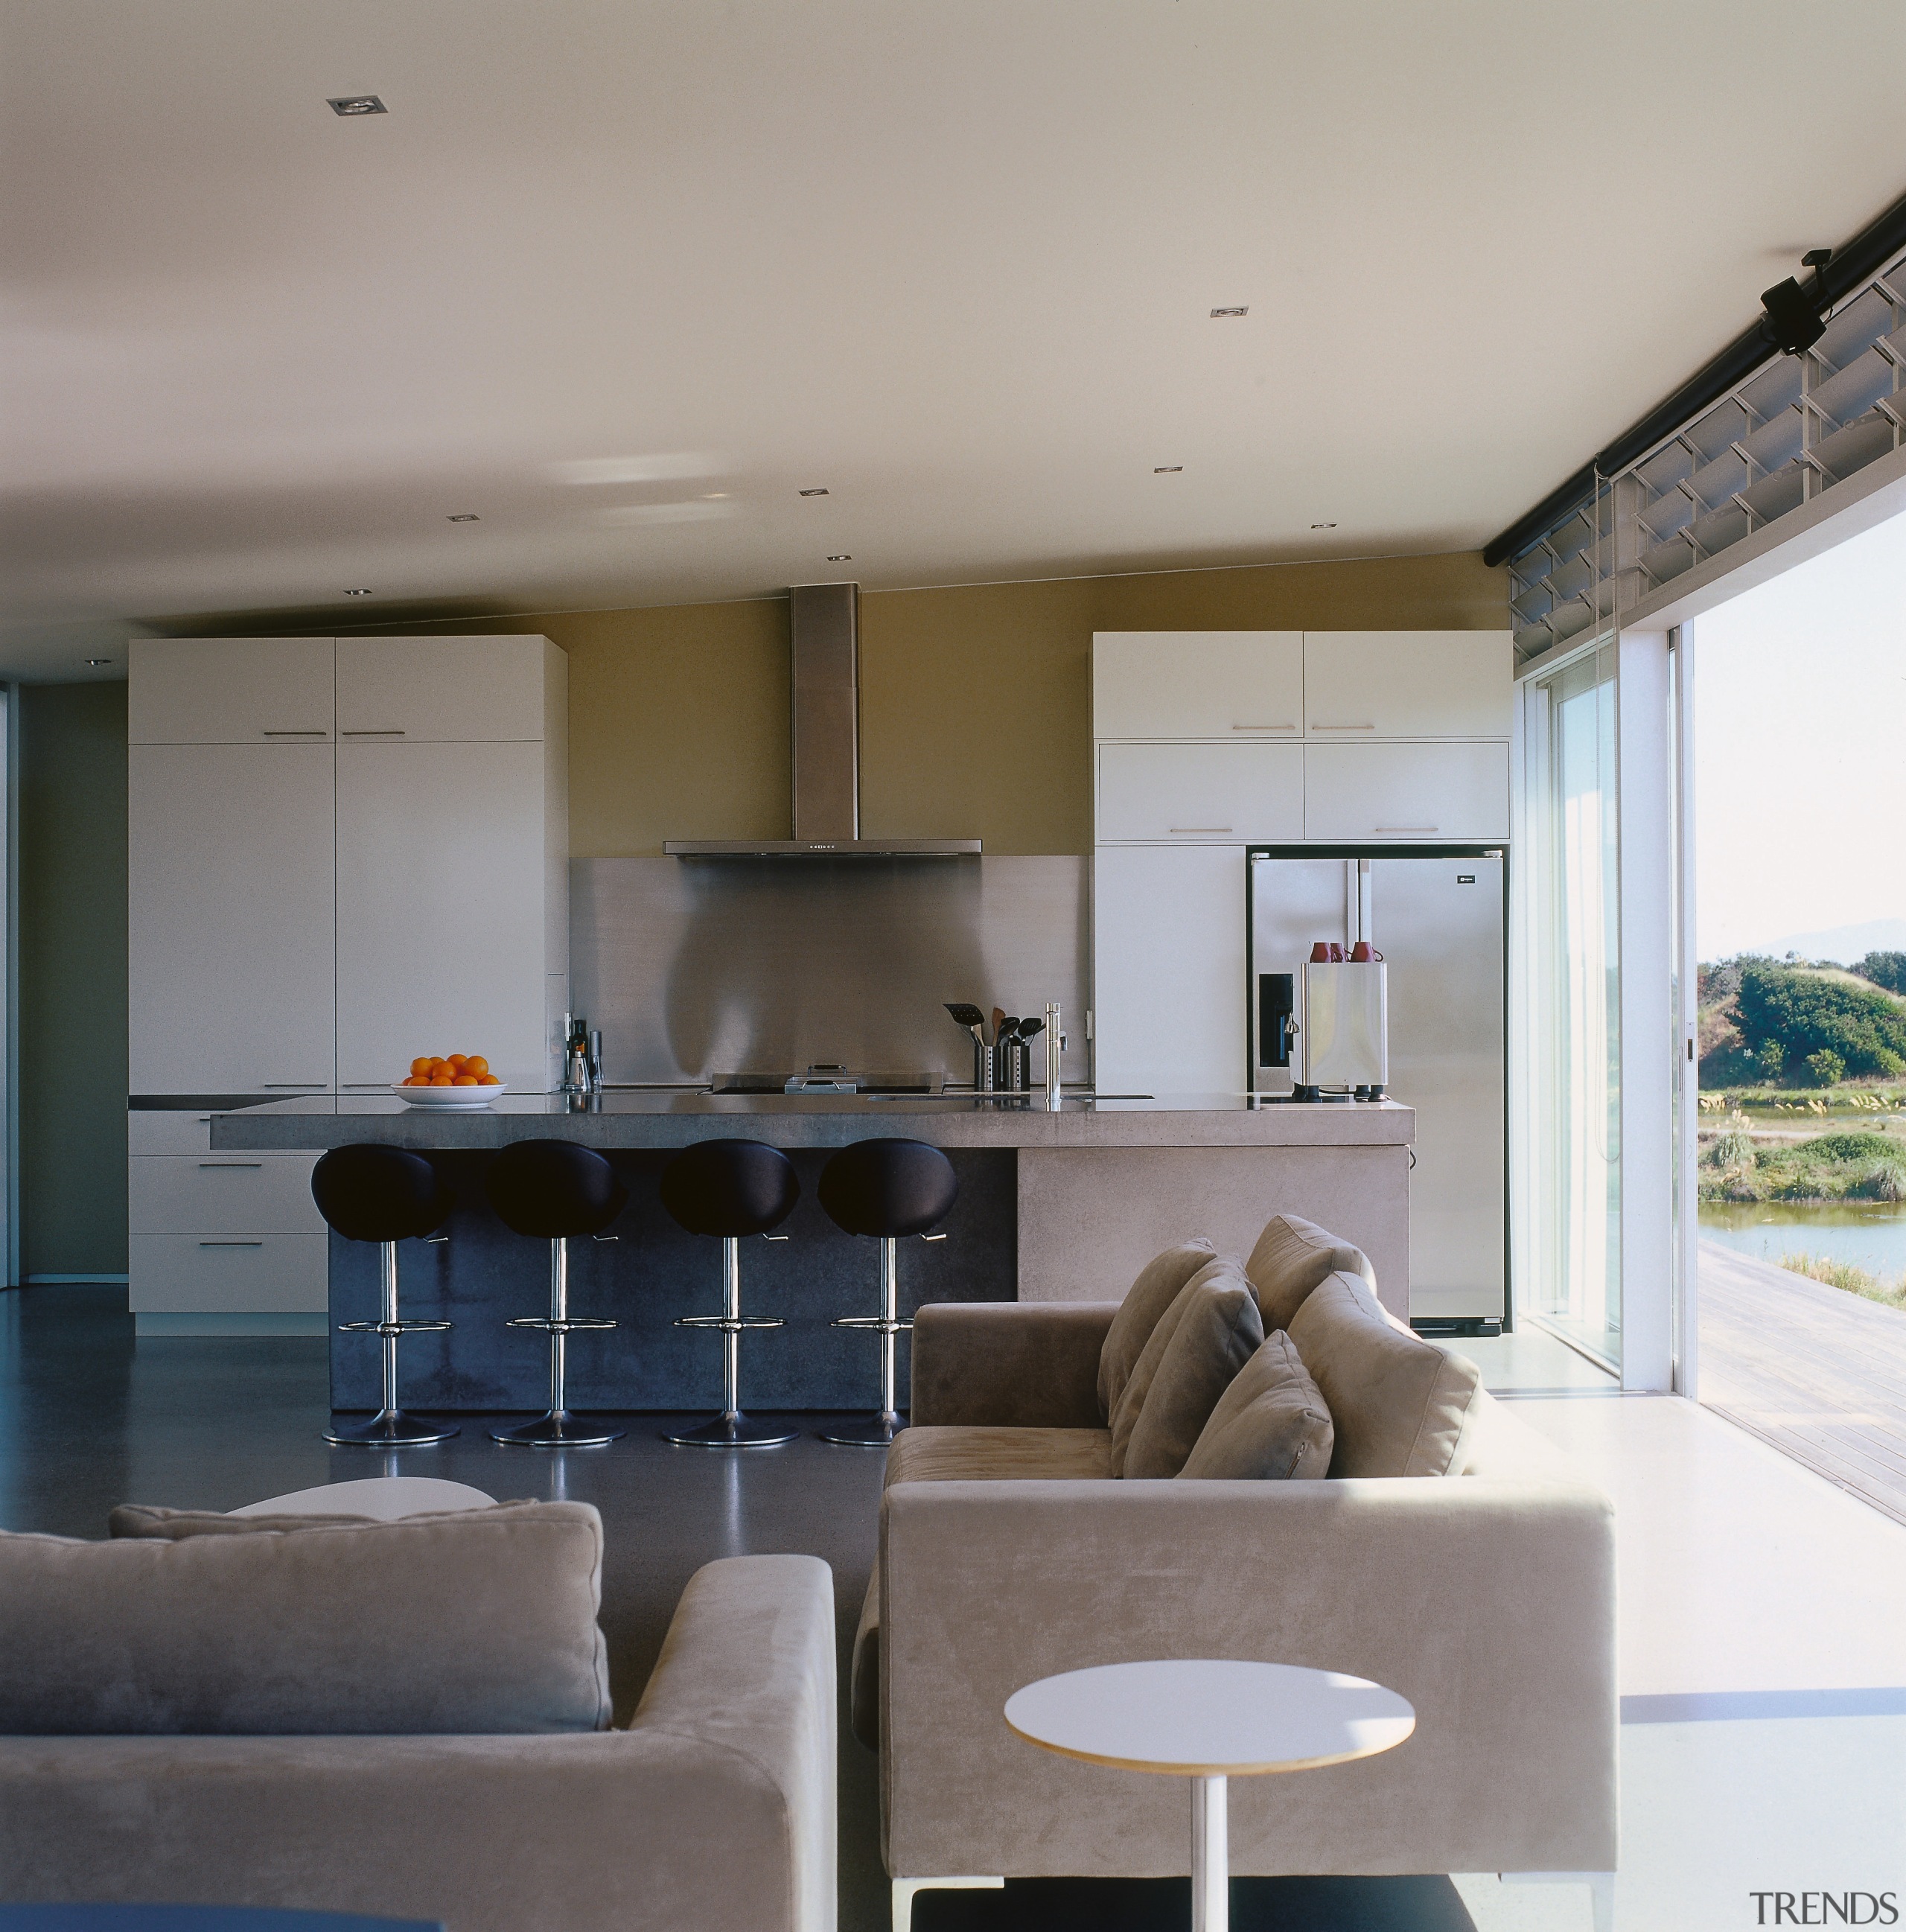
<point>1344,727</point>
<point>296,734</point>
<point>1406,828</point>
<point>1264,727</point>
<point>231,1244</point>
<point>231,1163</point>
<point>1200,828</point>
<point>294,1083</point>
<point>382,734</point>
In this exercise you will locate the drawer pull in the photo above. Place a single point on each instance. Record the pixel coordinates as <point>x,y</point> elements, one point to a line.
<point>294,1083</point>
<point>1264,727</point>
<point>387,731</point>
<point>1406,828</point>
<point>232,1244</point>
<point>1200,828</point>
<point>294,734</point>
<point>1344,727</point>
<point>231,1163</point>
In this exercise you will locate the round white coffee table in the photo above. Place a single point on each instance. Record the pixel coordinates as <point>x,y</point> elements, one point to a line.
<point>1209,1719</point>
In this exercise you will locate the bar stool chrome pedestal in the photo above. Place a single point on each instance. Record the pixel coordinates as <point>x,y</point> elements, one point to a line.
<point>729,1189</point>
<point>886,1188</point>
<point>385,1195</point>
<point>556,1191</point>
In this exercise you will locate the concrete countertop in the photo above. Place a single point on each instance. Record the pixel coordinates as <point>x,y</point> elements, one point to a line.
<point>651,1117</point>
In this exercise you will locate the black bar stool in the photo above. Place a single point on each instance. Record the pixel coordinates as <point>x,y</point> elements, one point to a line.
<point>385,1195</point>
<point>554,1191</point>
<point>729,1189</point>
<point>886,1189</point>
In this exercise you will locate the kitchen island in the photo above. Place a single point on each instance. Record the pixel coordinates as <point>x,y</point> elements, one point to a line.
<point>1053,1206</point>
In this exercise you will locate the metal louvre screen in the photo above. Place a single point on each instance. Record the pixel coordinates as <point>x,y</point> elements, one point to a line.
<point>1794,429</point>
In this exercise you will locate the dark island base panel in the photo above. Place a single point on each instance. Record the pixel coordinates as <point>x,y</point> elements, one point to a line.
<point>484,1276</point>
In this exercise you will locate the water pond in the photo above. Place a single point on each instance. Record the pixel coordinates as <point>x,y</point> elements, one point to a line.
<point>1871,1234</point>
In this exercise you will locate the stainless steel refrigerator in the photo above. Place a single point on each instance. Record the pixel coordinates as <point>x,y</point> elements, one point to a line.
<point>1438,915</point>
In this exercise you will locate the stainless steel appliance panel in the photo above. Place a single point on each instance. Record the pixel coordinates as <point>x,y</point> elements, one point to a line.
<point>692,968</point>
<point>1294,902</point>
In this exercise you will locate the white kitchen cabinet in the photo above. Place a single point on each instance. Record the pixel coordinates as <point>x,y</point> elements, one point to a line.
<point>1406,791</point>
<point>1223,793</point>
<point>222,1194</point>
<point>1168,938</point>
<point>1198,684</point>
<point>1407,684</point>
<point>230,921</point>
<point>191,1273</point>
<point>230,690</point>
<point>442,885</point>
<point>445,690</point>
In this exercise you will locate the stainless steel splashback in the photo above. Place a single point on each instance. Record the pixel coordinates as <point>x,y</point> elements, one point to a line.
<point>692,968</point>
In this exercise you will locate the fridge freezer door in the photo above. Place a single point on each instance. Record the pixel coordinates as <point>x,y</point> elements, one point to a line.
<point>1294,902</point>
<point>1439,924</point>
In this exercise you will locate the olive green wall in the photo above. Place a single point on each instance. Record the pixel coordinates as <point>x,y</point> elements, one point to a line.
<point>976,702</point>
<point>72,748</point>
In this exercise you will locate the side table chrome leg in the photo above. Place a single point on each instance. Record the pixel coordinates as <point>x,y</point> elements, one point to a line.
<point>390,1428</point>
<point>731,1429</point>
<point>878,1430</point>
<point>559,1429</point>
<point>1211,1855</point>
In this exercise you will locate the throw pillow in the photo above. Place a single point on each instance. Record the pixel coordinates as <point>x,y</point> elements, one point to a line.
<point>1293,1255</point>
<point>469,1622</point>
<point>1158,1285</point>
<point>1207,1335</point>
<point>1271,1424</point>
<point>1399,1406</point>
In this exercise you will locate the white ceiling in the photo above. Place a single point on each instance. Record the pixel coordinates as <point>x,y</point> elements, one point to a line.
<point>951,259</point>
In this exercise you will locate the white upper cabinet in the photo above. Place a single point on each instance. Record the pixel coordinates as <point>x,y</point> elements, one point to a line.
<point>231,691</point>
<point>1198,684</point>
<point>443,690</point>
<point>1407,684</point>
<point>230,925</point>
<point>1201,794</point>
<point>1406,791</point>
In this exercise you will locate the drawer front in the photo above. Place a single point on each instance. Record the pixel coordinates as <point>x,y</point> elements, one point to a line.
<point>180,1274</point>
<point>1200,794</point>
<point>1408,684</point>
<point>1406,791</point>
<point>222,1194</point>
<point>1197,684</point>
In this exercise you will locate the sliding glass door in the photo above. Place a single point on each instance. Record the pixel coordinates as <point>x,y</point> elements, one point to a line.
<point>1571,1281</point>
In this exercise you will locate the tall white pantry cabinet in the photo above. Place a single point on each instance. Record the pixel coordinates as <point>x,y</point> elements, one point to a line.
<point>342,853</point>
<point>1206,742</point>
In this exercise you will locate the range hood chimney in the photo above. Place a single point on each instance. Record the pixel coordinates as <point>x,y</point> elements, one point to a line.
<point>824,630</point>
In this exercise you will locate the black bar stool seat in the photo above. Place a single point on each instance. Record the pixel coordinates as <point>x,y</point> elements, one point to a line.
<point>729,1188</point>
<point>386,1195</point>
<point>888,1189</point>
<point>556,1192</point>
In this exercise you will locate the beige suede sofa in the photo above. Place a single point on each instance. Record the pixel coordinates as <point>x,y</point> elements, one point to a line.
<point>411,1720</point>
<point>1484,1593</point>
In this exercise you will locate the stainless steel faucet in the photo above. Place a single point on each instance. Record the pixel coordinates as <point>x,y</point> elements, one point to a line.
<point>1054,1047</point>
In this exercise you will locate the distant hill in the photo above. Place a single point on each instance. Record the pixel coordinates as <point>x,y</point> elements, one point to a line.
<point>1846,943</point>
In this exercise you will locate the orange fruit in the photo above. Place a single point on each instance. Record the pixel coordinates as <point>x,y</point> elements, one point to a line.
<point>465,1080</point>
<point>456,1061</point>
<point>420,1065</point>
<point>487,1080</point>
<point>476,1064</point>
<point>443,1080</point>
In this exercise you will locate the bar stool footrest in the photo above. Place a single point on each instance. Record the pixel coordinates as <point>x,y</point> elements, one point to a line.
<point>875,1324</point>
<point>570,1325</point>
<point>730,1325</point>
<point>394,1328</point>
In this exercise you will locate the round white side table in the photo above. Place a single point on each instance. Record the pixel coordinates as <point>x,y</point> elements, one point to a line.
<point>1209,1719</point>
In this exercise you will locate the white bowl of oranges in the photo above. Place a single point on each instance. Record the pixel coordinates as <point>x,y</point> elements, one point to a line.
<point>453,1080</point>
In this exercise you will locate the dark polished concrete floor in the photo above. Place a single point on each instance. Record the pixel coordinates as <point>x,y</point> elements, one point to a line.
<point>90,1418</point>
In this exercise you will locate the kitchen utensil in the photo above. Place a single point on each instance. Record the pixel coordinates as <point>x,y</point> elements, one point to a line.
<point>450,1097</point>
<point>975,1021</point>
<point>1005,1052</point>
<point>1028,1028</point>
<point>998,1021</point>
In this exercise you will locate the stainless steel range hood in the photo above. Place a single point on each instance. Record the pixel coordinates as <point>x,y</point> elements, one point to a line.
<point>824,630</point>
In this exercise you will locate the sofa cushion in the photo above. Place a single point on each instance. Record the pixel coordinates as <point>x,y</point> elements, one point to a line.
<point>954,1453</point>
<point>1272,1422</point>
<point>1293,1255</point>
<point>472,1621</point>
<point>1399,1405</point>
<point>1202,1341</point>
<point>1158,1285</point>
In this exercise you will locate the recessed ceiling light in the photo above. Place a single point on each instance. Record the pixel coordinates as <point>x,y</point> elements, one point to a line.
<point>357,593</point>
<point>814,492</point>
<point>466,517</point>
<point>98,664</point>
<point>1217,312</point>
<point>351,104</point>
<point>1167,469</point>
<point>843,558</point>
<point>714,496</point>
<point>1323,526</point>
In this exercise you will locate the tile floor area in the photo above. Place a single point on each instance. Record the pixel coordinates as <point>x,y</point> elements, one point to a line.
<point>1762,1619</point>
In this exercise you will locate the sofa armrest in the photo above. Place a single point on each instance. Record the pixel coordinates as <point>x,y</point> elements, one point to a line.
<point>715,1809</point>
<point>1489,1604</point>
<point>1009,1364</point>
